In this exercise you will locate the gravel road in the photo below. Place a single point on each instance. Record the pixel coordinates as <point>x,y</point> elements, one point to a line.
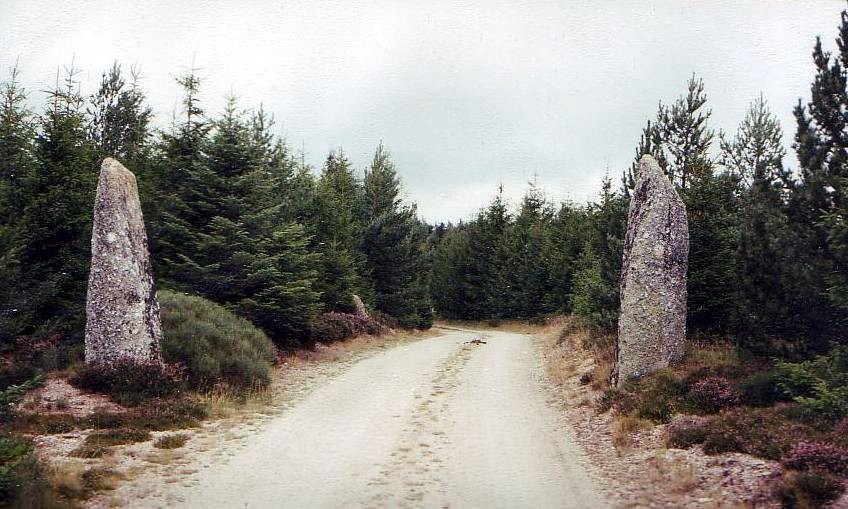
<point>461,420</point>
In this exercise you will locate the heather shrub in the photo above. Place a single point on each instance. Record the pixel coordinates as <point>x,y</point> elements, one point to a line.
<point>817,456</point>
<point>153,415</point>
<point>686,431</point>
<point>717,443</point>
<point>763,432</point>
<point>128,382</point>
<point>711,394</point>
<point>808,490</point>
<point>216,347</point>
<point>622,402</point>
<point>385,320</point>
<point>337,326</point>
<point>661,397</point>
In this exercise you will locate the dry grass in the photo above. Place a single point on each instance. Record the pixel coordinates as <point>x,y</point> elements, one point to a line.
<point>66,479</point>
<point>222,404</point>
<point>73,481</point>
<point>173,441</point>
<point>623,427</point>
<point>679,476</point>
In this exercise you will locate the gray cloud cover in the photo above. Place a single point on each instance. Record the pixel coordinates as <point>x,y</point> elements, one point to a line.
<point>465,94</point>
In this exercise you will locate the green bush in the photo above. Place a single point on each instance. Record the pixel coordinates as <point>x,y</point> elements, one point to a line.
<point>215,346</point>
<point>12,394</point>
<point>22,481</point>
<point>819,386</point>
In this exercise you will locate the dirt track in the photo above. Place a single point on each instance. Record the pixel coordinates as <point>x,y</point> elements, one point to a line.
<point>442,422</point>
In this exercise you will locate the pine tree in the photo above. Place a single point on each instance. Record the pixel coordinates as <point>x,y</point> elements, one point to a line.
<point>181,180</point>
<point>765,264</point>
<point>336,226</point>
<point>564,241</point>
<point>683,138</point>
<point>17,162</point>
<point>393,246</point>
<point>449,284</point>
<point>56,220</point>
<point>527,274</point>
<point>487,283</point>
<point>821,141</point>
<point>120,119</point>
<point>595,293</point>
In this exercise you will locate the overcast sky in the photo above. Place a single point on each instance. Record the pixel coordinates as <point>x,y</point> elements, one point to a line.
<point>465,94</point>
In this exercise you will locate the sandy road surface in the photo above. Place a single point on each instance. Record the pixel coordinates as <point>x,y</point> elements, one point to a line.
<point>441,422</point>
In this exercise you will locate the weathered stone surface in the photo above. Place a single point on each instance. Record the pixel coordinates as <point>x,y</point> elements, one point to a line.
<point>652,321</point>
<point>122,313</point>
<point>360,306</point>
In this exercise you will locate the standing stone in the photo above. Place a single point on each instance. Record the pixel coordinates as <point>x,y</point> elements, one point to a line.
<point>122,313</point>
<point>360,307</point>
<point>652,322</point>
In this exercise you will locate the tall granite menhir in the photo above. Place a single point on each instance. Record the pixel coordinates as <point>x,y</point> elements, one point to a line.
<point>122,313</point>
<point>652,321</point>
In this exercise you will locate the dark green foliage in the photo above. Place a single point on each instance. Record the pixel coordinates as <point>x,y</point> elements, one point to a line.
<point>236,247</point>
<point>819,386</point>
<point>337,222</point>
<point>128,382</point>
<point>393,244</point>
<point>214,346</point>
<point>595,288</point>
<point>55,224</point>
<point>762,389</point>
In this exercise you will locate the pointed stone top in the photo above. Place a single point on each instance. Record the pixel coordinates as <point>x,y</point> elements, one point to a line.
<point>113,169</point>
<point>649,167</point>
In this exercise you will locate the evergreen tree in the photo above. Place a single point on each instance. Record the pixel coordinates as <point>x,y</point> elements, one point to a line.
<point>563,245</point>
<point>821,141</point>
<point>181,181</point>
<point>55,227</point>
<point>336,225</point>
<point>527,272</point>
<point>120,119</point>
<point>487,283</point>
<point>683,139</point>
<point>765,264</point>
<point>595,287</point>
<point>393,246</point>
<point>450,267</point>
<point>17,162</point>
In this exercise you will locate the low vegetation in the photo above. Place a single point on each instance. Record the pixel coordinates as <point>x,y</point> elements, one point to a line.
<point>724,399</point>
<point>214,346</point>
